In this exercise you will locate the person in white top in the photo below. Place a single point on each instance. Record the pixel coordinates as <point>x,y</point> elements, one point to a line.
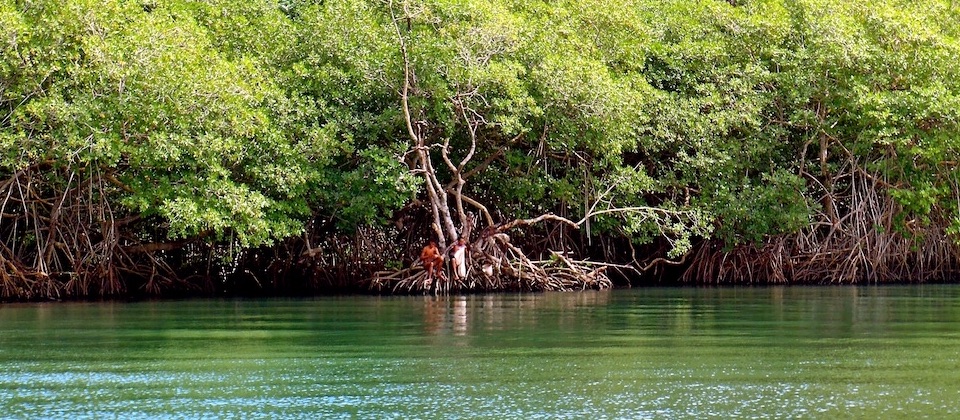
<point>460,259</point>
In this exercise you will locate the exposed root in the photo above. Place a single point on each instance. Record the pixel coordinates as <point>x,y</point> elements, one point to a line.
<point>861,244</point>
<point>61,238</point>
<point>495,264</point>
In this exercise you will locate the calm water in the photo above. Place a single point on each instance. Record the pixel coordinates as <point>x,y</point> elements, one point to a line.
<point>870,352</point>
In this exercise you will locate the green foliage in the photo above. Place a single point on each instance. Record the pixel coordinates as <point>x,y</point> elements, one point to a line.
<point>147,96</point>
<point>373,184</point>
<point>773,205</point>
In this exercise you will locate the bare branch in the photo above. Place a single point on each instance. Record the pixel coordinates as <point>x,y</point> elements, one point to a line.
<point>158,246</point>
<point>538,219</point>
<point>404,101</point>
<point>480,207</point>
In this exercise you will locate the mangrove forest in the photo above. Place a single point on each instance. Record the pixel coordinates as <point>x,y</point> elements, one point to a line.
<point>182,147</point>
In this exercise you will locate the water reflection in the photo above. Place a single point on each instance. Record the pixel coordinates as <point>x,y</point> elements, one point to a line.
<point>690,353</point>
<point>459,315</point>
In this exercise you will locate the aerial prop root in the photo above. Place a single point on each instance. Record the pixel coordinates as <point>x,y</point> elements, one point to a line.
<point>494,263</point>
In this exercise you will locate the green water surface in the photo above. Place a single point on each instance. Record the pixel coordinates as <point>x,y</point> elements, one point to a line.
<point>801,352</point>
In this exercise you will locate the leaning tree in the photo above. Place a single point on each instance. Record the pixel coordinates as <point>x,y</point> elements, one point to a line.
<point>468,103</point>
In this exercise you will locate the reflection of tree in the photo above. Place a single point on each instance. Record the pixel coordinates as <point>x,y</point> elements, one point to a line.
<point>445,315</point>
<point>458,315</point>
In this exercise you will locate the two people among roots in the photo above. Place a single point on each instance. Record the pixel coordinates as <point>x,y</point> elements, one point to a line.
<point>432,260</point>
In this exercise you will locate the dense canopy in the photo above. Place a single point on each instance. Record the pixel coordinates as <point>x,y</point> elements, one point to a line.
<point>151,147</point>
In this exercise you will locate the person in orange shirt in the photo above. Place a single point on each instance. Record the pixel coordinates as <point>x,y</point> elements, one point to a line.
<point>432,260</point>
